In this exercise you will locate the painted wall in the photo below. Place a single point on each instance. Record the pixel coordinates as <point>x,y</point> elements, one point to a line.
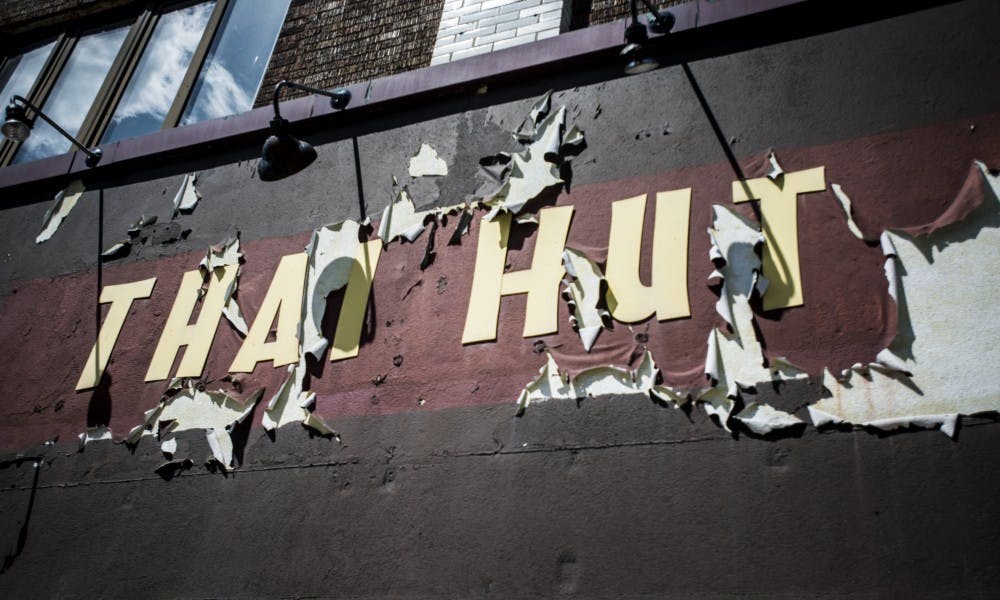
<point>433,486</point>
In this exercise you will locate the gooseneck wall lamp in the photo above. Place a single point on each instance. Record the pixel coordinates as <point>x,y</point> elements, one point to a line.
<point>636,54</point>
<point>284,155</point>
<point>17,127</point>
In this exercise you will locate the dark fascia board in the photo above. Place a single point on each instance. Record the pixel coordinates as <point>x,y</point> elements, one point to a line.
<point>379,94</point>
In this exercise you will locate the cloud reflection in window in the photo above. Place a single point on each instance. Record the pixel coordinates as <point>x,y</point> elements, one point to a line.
<point>73,93</point>
<point>20,72</point>
<point>159,74</point>
<point>234,66</point>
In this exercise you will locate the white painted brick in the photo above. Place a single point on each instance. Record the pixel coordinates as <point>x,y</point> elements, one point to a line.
<point>438,50</point>
<point>495,3</point>
<point>445,40</point>
<point>552,15</point>
<point>461,12</point>
<point>549,33</point>
<point>473,33</point>
<point>451,5</point>
<point>446,23</point>
<point>515,41</point>
<point>496,37</point>
<point>507,18</point>
<point>457,29</point>
<point>472,52</point>
<point>542,8</point>
<point>538,27</point>
<point>476,16</point>
<point>440,60</point>
<point>516,24</point>
<point>518,6</point>
<point>471,2</point>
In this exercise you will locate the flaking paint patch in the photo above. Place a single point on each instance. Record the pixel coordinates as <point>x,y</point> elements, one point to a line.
<point>734,360</point>
<point>224,254</point>
<point>94,434</point>
<point>331,252</point>
<point>169,447</point>
<point>286,405</point>
<point>401,219</point>
<point>292,403</point>
<point>551,384</point>
<point>583,293</point>
<point>217,413</point>
<point>64,202</point>
<point>845,204</point>
<point>763,419</point>
<point>537,167</point>
<point>427,163</point>
<point>774,170</point>
<point>945,287</point>
<point>187,196</point>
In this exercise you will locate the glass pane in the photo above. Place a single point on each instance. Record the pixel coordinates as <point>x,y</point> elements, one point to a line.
<point>73,94</point>
<point>149,94</point>
<point>234,67</point>
<point>20,72</point>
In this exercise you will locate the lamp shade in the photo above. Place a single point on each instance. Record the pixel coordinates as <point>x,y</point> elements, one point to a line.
<point>16,126</point>
<point>284,155</point>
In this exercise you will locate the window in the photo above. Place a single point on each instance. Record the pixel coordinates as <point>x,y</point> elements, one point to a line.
<point>73,92</point>
<point>179,64</point>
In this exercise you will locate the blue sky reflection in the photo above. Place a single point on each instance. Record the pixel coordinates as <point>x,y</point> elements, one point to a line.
<point>73,94</point>
<point>158,76</point>
<point>236,61</point>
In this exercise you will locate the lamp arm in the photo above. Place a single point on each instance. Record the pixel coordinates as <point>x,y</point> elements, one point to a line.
<point>649,6</point>
<point>93,155</point>
<point>338,94</point>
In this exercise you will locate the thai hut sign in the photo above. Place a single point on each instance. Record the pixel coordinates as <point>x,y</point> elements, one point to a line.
<point>688,286</point>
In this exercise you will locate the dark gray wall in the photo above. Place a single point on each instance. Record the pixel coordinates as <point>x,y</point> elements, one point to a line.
<point>609,498</point>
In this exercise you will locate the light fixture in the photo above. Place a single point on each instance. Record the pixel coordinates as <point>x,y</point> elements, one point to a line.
<point>17,127</point>
<point>284,155</point>
<point>638,59</point>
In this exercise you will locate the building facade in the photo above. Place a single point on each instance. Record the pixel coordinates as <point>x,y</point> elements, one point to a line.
<point>526,326</point>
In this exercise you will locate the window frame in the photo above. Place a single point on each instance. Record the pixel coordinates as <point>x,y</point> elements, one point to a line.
<point>121,71</point>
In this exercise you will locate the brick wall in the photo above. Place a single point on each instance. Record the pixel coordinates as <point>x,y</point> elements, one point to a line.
<point>20,16</point>
<point>332,43</point>
<point>471,27</point>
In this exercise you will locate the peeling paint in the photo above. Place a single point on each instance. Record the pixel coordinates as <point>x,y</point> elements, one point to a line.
<point>584,295</point>
<point>845,204</point>
<point>609,380</point>
<point>94,434</point>
<point>224,254</point>
<point>763,419</point>
<point>293,404</point>
<point>536,168</point>
<point>400,219</point>
<point>187,196</point>
<point>774,171</point>
<point>331,254</point>
<point>116,249</point>
<point>954,267</point>
<point>185,407</point>
<point>64,202</point>
<point>427,163</point>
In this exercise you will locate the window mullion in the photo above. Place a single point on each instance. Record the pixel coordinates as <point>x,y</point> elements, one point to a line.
<point>39,92</point>
<point>118,77</point>
<point>197,60</point>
